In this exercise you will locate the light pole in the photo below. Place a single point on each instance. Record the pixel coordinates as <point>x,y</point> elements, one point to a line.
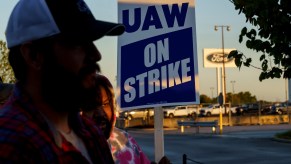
<point>232,82</point>
<point>223,60</point>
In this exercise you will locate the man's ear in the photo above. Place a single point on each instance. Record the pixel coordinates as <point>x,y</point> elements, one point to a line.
<point>32,57</point>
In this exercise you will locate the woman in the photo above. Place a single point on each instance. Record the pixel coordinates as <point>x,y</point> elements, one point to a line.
<point>101,107</point>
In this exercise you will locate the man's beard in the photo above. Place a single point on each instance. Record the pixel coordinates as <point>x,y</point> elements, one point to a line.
<point>61,89</point>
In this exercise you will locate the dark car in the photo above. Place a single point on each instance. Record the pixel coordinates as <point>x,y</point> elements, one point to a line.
<point>252,108</point>
<point>280,108</point>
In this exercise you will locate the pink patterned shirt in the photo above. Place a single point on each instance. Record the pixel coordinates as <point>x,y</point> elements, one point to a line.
<point>124,148</point>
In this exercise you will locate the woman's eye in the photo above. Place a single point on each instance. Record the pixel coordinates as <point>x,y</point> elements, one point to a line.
<point>106,104</point>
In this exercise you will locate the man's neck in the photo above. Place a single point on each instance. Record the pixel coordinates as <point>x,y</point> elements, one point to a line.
<point>58,119</point>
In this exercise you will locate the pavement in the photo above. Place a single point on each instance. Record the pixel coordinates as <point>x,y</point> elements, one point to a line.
<point>253,144</point>
<point>225,129</point>
<point>250,131</point>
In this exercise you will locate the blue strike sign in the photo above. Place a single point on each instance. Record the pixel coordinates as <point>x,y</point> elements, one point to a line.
<point>158,70</point>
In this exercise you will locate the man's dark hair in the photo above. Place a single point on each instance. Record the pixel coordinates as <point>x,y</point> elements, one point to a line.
<point>17,61</point>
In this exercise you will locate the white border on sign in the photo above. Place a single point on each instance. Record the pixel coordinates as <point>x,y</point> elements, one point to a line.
<point>128,38</point>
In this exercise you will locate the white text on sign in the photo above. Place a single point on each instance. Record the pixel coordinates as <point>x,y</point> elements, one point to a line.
<point>152,19</point>
<point>157,79</point>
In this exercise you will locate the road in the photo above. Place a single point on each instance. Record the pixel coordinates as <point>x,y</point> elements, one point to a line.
<point>237,145</point>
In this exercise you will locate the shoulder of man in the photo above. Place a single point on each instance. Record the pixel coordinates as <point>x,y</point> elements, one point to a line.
<point>22,139</point>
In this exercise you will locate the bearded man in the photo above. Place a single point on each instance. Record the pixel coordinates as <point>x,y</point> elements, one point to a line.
<point>51,52</point>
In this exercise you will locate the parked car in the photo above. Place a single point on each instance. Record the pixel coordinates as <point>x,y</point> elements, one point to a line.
<point>181,111</point>
<point>266,109</point>
<point>280,108</point>
<point>215,110</point>
<point>137,113</point>
<point>251,108</point>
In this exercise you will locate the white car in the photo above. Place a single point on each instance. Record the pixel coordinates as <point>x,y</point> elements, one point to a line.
<point>215,110</point>
<point>181,111</point>
<point>136,113</point>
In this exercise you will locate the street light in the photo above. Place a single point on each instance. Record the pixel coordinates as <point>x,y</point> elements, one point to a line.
<point>232,82</point>
<point>223,56</point>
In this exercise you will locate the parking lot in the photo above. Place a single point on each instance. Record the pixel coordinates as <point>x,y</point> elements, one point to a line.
<point>237,145</point>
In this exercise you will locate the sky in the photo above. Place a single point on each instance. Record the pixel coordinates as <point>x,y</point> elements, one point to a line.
<point>208,14</point>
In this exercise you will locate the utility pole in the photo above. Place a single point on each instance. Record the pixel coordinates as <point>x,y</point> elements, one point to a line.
<point>223,59</point>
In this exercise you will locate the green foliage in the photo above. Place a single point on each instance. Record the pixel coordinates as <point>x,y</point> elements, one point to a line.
<point>204,99</point>
<point>235,99</point>
<point>6,72</point>
<point>246,97</point>
<point>271,35</point>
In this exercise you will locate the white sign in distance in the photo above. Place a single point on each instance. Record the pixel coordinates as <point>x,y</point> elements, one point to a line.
<point>213,58</point>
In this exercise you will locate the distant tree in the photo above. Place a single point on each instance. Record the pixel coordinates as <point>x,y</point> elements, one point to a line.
<point>214,100</point>
<point>205,99</point>
<point>228,97</point>
<point>6,72</point>
<point>270,37</point>
<point>238,98</point>
<point>246,97</point>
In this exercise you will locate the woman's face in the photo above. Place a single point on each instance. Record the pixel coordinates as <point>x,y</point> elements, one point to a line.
<point>103,114</point>
<point>106,104</point>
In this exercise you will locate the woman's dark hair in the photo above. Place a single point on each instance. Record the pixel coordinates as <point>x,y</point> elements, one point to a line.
<point>90,101</point>
<point>99,116</point>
